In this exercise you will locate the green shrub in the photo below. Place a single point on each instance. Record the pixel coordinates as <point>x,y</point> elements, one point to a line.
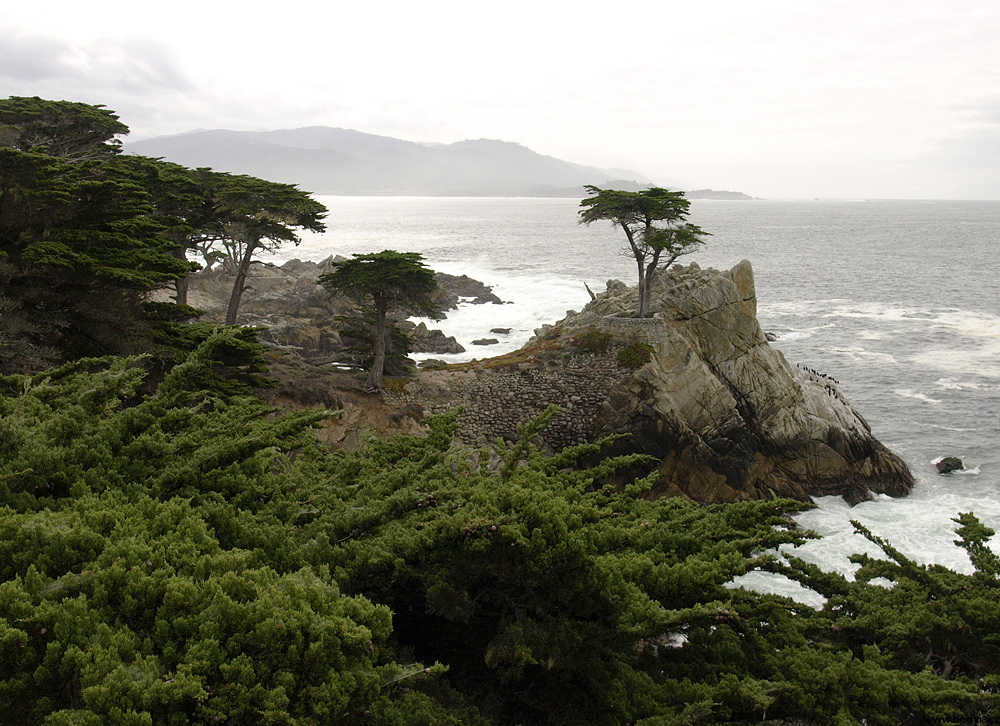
<point>593,341</point>
<point>192,557</point>
<point>635,355</point>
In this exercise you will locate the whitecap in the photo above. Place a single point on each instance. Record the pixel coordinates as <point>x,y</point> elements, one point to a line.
<point>981,362</point>
<point>980,325</point>
<point>797,307</point>
<point>909,393</point>
<point>861,354</point>
<point>867,310</point>
<point>524,311</point>
<point>794,335</point>
<point>973,472</point>
<point>872,335</point>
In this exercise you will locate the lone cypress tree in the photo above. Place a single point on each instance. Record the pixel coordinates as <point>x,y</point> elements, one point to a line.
<point>385,281</point>
<point>655,224</point>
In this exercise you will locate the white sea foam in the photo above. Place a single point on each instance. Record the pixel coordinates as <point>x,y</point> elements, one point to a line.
<point>983,360</point>
<point>529,303</point>
<point>908,393</point>
<point>920,531</point>
<point>978,324</point>
<point>794,335</point>
<point>863,354</point>
<point>950,384</point>
<point>872,335</point>
<point>798,307</point>
<point>772,584</point>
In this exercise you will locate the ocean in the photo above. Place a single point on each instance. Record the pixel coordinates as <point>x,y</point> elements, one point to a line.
<point>897,300</point>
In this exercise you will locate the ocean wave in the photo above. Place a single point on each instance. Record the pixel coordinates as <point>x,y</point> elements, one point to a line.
<point>797,307</point>
<point>909,393</point>
<point>950,384</point>
<point>863,354</point>
<point>982,361</point>
<point>968,321</point>
<point>873,334</point>
<point>794,335</point>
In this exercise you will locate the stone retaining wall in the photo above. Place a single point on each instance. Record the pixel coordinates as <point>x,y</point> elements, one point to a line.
<point>495,401</point>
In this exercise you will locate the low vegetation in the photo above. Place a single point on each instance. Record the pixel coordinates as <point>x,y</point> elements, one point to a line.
<point>635,355</point>
<point>188,556</point>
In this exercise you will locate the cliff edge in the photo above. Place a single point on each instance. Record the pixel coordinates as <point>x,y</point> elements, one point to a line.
<point>697,386</point>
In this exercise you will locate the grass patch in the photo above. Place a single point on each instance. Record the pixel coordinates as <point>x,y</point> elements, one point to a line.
<point>396,384</point>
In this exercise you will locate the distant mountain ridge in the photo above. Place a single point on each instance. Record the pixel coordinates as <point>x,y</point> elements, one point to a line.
<point>328,160</point>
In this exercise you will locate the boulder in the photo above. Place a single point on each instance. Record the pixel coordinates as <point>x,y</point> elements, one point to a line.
<point>455,288</point>
<point>432,363</point>
<point>948,464</point>
<point>431,340</point>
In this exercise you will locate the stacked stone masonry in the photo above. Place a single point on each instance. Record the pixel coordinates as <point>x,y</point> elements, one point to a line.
<point>495,401</point>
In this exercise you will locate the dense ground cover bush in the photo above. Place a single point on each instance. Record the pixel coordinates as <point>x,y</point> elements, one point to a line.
<point>189,556</point>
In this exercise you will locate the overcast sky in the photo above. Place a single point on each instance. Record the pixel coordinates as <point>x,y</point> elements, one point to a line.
<point>775,98</point>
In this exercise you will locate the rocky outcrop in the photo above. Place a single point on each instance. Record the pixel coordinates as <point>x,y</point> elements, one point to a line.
<point>299,315</point>
<point>697,386</point>
<point>453,289</point>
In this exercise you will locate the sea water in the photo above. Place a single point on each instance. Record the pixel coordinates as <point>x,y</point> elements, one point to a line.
<point>896,300</point>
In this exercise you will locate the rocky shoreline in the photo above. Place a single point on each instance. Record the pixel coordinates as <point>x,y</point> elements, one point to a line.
<point>697,387</point>
<point>300,317</point>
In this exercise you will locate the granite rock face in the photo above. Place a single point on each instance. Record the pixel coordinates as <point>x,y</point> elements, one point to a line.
<point>697,386</point>
<point>728,415</point>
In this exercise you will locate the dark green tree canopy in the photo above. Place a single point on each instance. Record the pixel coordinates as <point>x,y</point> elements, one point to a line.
<point>384,281</point>
<point>655,224</point>
<point>79,247</point>
<point>86,232</point>
<point>251,215</point>
<point>69,130</point>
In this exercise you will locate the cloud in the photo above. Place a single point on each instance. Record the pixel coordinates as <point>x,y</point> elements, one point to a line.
<point>30,58</point>
<point>121,64</point>
<point>140,79</point>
